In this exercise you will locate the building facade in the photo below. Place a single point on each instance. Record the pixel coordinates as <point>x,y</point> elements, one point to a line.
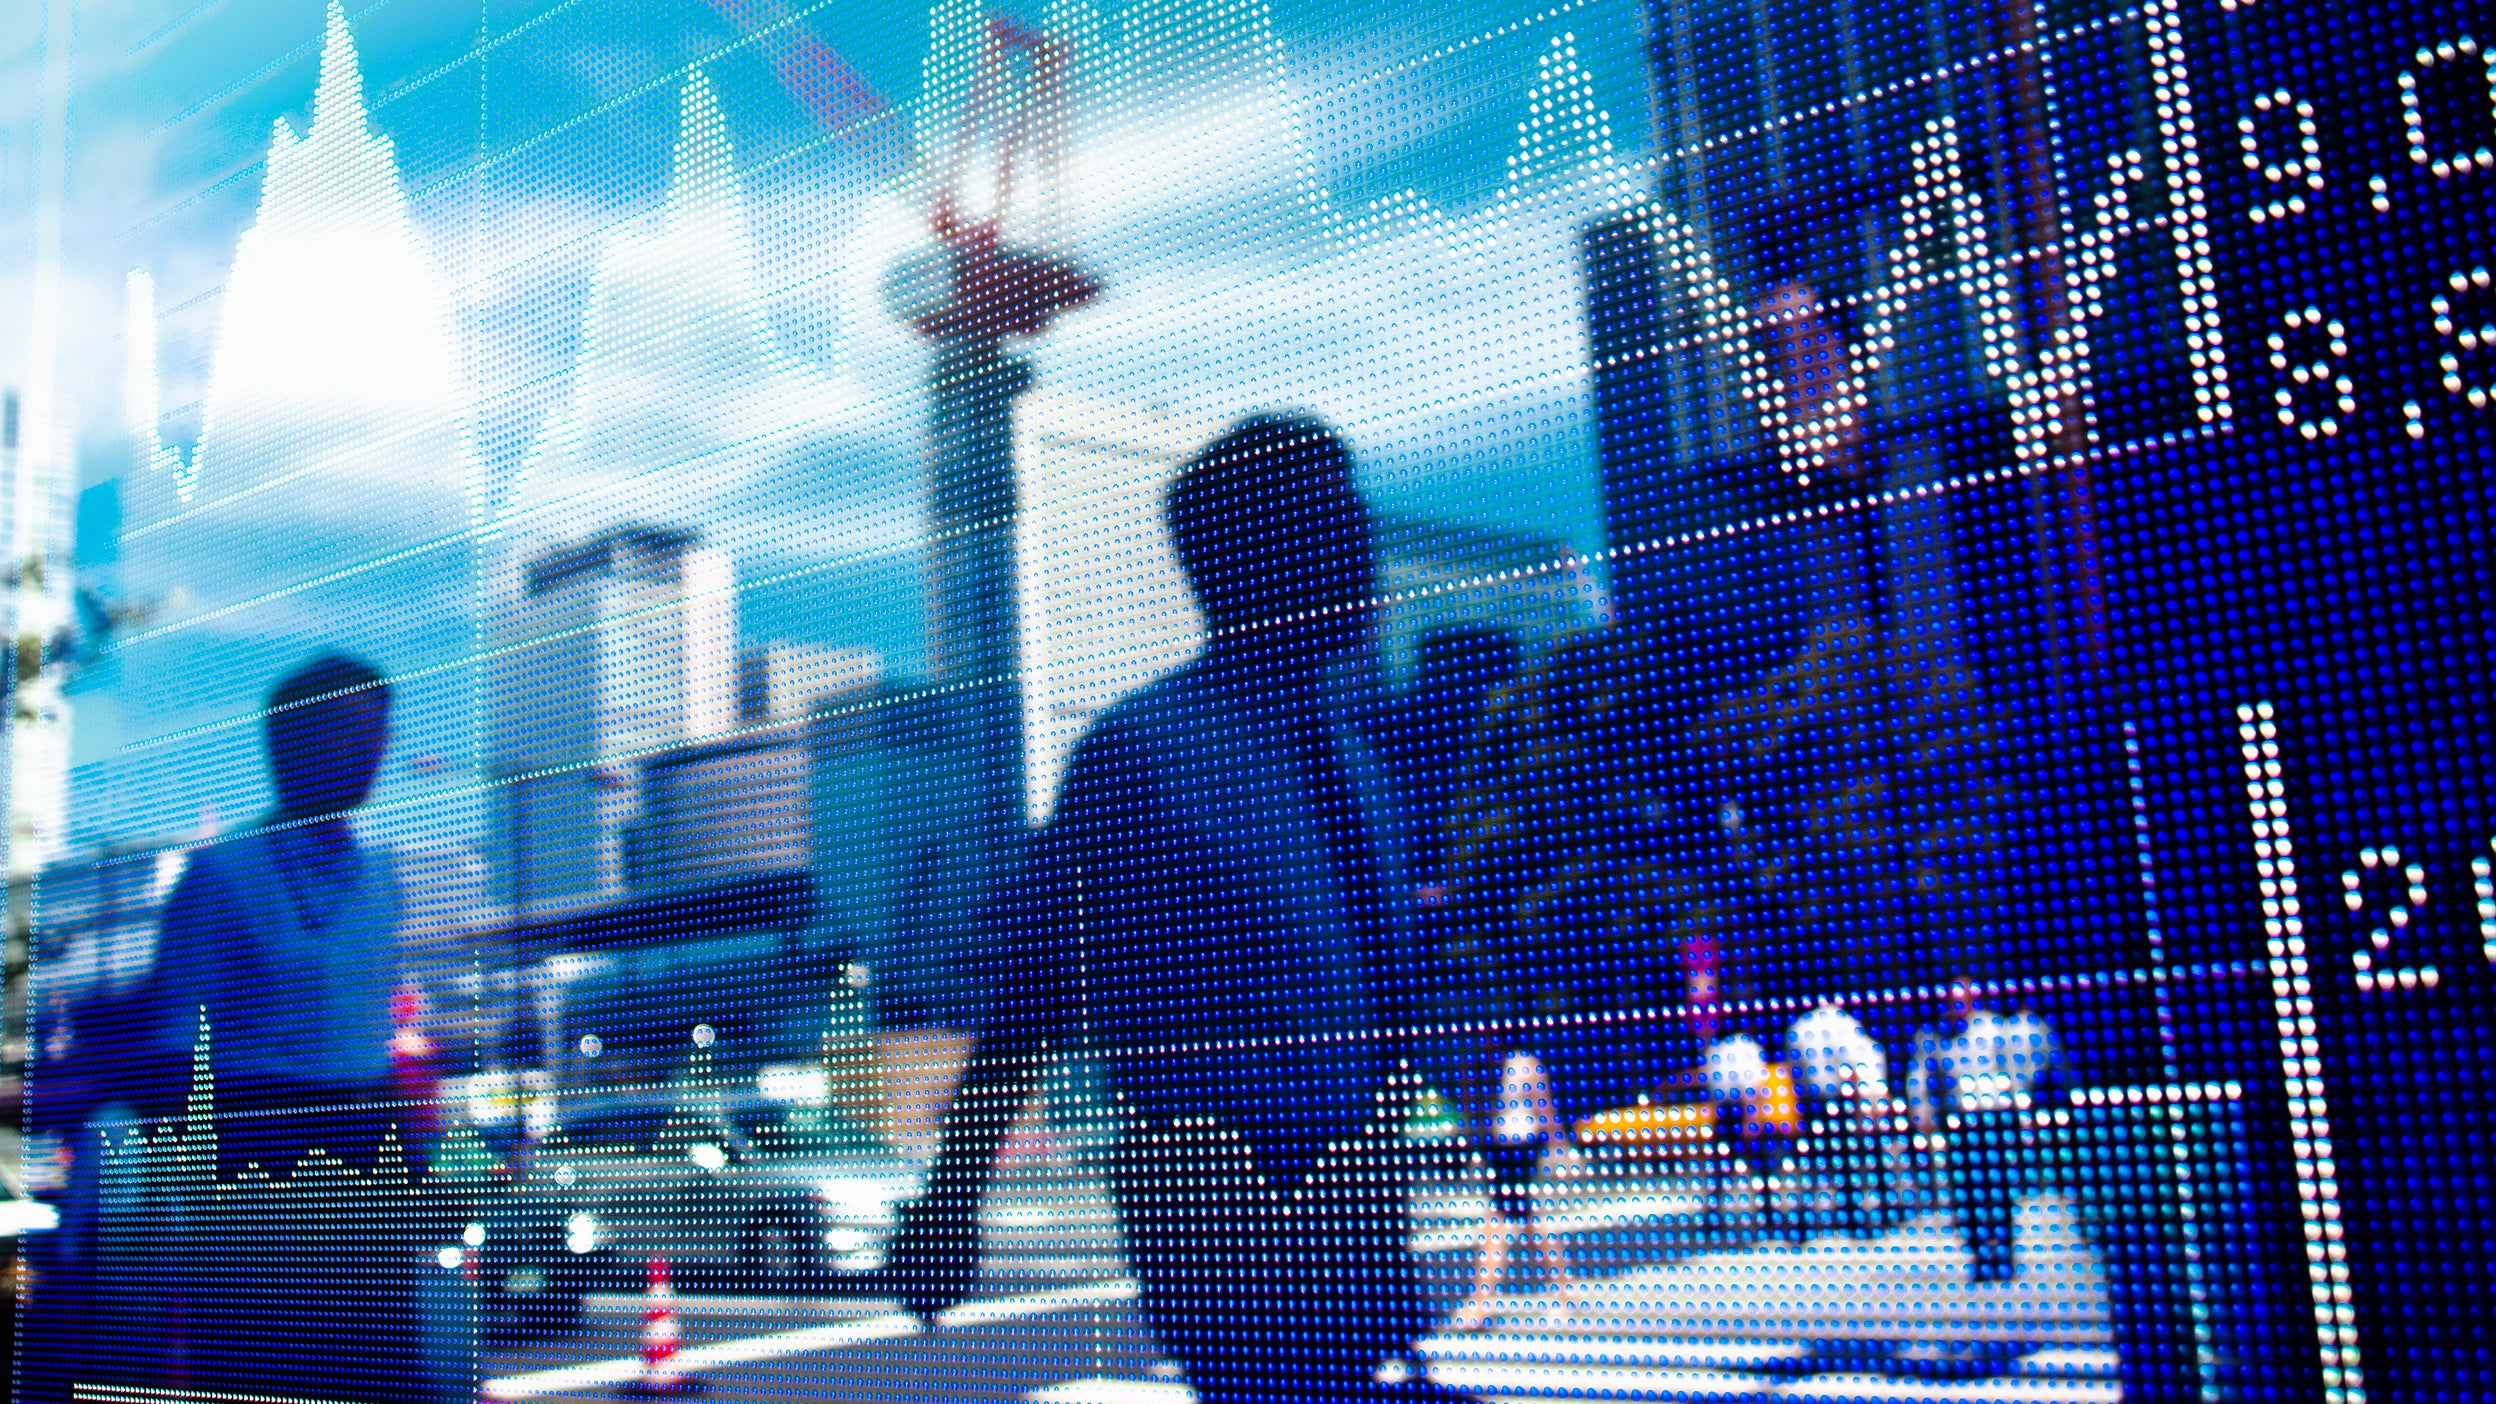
<point>607,650</point>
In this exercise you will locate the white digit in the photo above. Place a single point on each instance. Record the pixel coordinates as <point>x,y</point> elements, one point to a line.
<point>2413,108</point>
<point>2452,323</point>
<point>2483,887</point>
<point>2316,372</point>
<point>2410,885</point>
<point>2291,178</point>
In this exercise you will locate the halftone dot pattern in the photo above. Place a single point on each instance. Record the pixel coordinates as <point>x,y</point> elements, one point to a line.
<point>1112,700</point>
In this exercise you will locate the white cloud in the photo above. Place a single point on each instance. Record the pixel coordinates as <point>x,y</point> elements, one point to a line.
<point>1447,344</point>
<point>685,408</point>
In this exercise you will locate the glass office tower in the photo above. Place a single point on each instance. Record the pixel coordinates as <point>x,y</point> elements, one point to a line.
<point>1108,700</point>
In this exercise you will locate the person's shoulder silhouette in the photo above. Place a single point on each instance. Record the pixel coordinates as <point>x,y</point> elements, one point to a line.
<point>295,903</point>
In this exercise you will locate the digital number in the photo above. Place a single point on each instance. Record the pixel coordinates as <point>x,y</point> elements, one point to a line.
<point>2290,178</point>
<point>2464,303</point>
<point>2449,65</point>
<point>2293,351</point>
<point>2396,891</point>
<point>2317,395</point>
<point>2389,894</point>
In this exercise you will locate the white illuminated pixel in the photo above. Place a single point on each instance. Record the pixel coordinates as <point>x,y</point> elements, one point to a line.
<point>2452,308</point>
<point>2402,898</point>
<point>893,869</point>
<point>2300,1053</point>
<point>2483,888</point>
<point>2296,174</point>
<point>2330,337</point>
<point>2452,161</point>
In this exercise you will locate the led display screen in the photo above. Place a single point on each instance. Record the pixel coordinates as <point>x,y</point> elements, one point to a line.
<point>1122,702</point>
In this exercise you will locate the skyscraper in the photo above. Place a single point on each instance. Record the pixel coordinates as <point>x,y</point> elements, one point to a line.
<point>605,650</point>
<point>1104,607</point>
<point>778,681</point>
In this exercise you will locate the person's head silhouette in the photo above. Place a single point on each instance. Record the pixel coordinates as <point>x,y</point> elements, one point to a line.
<point>1276,540</point>
<point>328,724</point>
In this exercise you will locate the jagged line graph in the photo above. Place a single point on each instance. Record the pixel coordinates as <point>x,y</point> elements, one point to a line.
<point>1560,99</point>
<point>1563,99</point>
<point>1946,241</point>
<point>1563,91</point>
<point>1562,94</point>
<point>182,1151</point>
<point>337,177</point>
<point>705,186</point>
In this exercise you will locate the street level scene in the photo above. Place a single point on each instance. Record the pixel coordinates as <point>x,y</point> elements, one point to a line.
<point>1247,701</point>
<point>1716,1325</point>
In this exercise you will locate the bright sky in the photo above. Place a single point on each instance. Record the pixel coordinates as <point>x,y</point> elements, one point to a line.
<point>523,152</point>
<point>1235,218</point>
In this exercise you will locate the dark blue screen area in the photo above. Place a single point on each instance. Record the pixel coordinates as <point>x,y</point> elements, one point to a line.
<point>1137,702</point>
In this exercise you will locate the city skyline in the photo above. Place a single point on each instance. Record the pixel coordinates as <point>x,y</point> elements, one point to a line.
<point>807,469</point>
<point>1316,76</point>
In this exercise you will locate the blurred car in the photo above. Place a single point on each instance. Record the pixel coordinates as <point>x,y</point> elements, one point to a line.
<point>738,1195</point>
<point>507,1233</point>
<point>530,1280</point>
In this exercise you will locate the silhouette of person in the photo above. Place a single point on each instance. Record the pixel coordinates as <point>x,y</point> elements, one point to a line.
<point>281,938</point>
<point>1219,915</point>
<point>1977,1078</point>
<point>275,957</point>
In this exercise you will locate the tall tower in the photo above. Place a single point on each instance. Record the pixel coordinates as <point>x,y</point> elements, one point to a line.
<point>606,649</point>
<point>972,293</point>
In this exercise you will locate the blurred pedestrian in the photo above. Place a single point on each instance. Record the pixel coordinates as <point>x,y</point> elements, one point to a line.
<point>273,1023</point>
<point>1219,913</point>
<point>1842,1077</point>
<point>1526,1150</point>
<point>1979,1077</point>
<point>1758,1123</point>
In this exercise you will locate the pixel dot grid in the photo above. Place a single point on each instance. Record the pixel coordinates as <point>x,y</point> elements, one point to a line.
<point>1125,702</point>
